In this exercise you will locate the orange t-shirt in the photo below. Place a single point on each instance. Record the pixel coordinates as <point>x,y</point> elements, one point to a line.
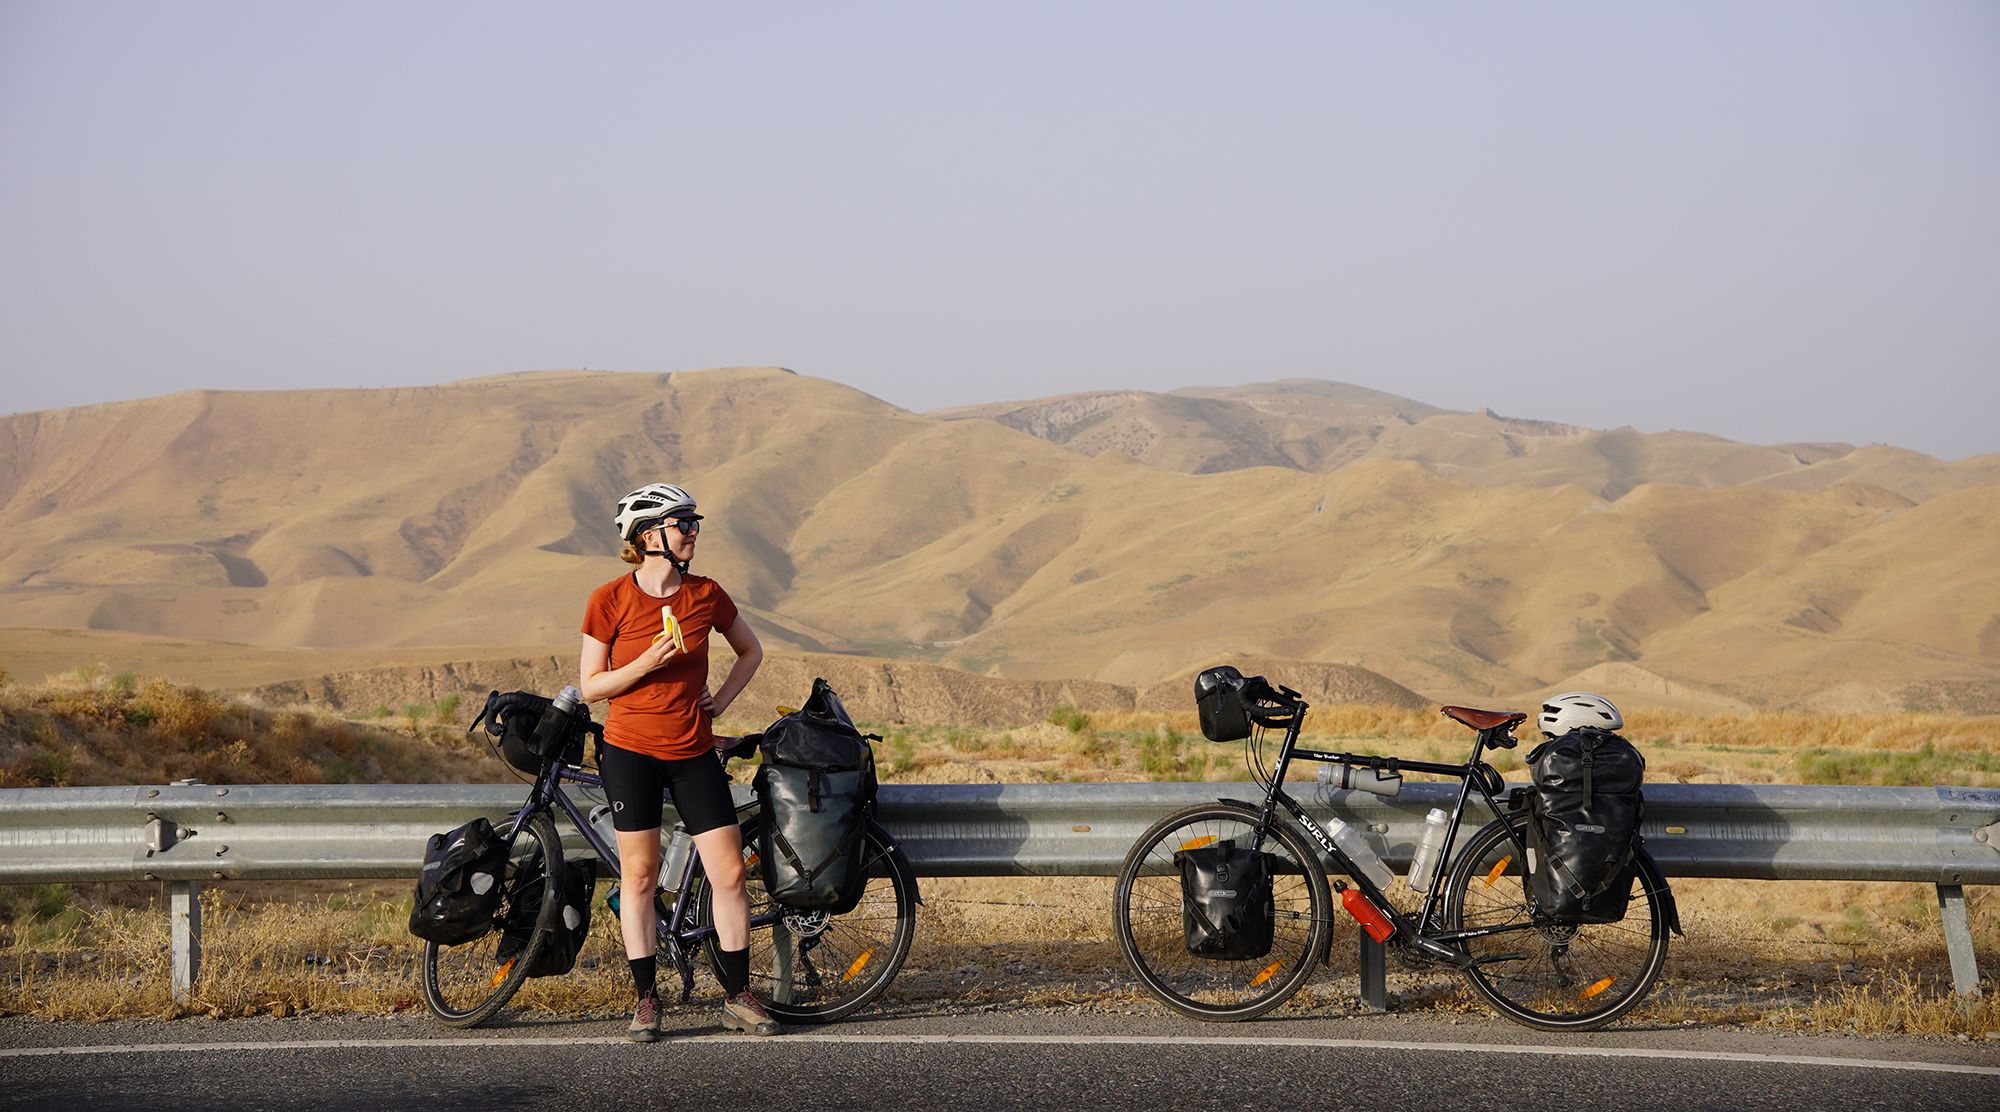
<point>661,715</point>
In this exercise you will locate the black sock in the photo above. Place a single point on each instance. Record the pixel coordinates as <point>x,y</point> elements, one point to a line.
<point>732,968</point>
<point>643,971</point>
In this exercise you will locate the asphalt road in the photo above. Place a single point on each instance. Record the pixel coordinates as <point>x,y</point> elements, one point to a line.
<point>1024,1058</point>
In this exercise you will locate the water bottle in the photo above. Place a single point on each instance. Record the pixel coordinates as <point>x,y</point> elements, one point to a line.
<point>1367,914</point>
<point>553,730</point>
<point>1360,778</point>
<point>600,824</point>
<point>1366,860</point>
<point>1423,866</point>
<point>673,860</point>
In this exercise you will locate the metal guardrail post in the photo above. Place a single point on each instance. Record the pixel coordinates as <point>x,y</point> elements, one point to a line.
<point>1374,973</point>
<point>186,912</point>
<point>1958,940</point>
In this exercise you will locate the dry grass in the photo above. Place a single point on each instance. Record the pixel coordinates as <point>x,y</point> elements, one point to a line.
<point>1814,956</point>
<point>1893,750</point>
<point>94,727</point>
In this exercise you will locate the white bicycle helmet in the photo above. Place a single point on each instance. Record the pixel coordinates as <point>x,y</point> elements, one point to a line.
<point>1571,709</point>
<point>649,504</point>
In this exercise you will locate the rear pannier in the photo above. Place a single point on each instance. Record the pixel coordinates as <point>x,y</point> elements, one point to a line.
<point>1583,827</point>
<point>817,787</point>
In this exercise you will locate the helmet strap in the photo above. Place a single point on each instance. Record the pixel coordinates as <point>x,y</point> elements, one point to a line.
<point>679,564</point>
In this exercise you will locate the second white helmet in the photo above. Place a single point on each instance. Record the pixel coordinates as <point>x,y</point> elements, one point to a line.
<point>650,503</point>
<point>1571,709</point>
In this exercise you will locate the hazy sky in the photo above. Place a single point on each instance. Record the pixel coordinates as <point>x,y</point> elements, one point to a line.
<point>1772,221</point>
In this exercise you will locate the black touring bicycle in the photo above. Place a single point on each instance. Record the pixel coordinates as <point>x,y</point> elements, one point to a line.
<point>1224,908</point>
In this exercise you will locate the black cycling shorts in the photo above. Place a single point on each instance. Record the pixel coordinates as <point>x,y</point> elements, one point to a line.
<point>633,782</point>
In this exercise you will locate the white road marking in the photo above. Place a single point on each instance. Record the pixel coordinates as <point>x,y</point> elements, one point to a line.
<point>1029,1040</point>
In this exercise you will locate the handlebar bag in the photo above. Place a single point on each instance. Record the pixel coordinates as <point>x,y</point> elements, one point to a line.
<point>817,786</point>
<point>459,889</point>
<point>572,924</point>
<point>1226,907</point>
<point>512,719</point>
<point>1583,825</point>
<point>1218,701</point>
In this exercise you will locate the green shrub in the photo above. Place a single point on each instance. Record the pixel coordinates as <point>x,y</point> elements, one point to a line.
<point>1069,718</point>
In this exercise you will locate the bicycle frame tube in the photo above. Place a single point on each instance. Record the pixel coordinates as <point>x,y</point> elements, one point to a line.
<point>1474,774</point>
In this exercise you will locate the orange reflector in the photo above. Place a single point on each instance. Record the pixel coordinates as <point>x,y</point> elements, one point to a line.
<point>1266,973</point>
<point>750,862</point>
<point>501,974</point>
<point>1197,843</point>
<point>859,963</point>
<point>1498,869</point>
<point>1595,988</point>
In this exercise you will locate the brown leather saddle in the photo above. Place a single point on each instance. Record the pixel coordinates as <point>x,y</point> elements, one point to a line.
<point>1483,719</point>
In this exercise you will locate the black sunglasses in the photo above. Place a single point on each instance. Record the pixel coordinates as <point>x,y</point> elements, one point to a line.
<point>688,526</point>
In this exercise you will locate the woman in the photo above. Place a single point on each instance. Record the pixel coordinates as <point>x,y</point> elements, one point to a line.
<point>659,733</point>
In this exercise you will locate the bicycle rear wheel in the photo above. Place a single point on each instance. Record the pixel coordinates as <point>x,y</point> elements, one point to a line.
<point>813,967</point>
<point>465,985</point>
<point>1553,976</point>
<point>1148,916</point>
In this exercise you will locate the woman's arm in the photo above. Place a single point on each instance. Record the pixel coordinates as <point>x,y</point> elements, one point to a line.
<point>599,681</point>
<point>749,654</point>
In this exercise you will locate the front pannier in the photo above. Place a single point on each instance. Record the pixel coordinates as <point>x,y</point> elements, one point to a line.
<point>817,787</point>
<point>572,925</point>
<point>1226,907</point>
<point>1583,827</point>
<point>1219,701</point>
<point>459,888</point>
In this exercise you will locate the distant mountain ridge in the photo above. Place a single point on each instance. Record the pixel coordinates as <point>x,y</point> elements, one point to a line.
<point>1122,537</point>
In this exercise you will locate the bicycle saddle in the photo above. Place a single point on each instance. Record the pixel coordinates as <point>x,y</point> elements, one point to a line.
<point>1483,719</point>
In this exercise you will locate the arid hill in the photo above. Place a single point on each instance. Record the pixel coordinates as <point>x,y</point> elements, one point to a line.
<point>1118,538</point>
<point>874,690</point>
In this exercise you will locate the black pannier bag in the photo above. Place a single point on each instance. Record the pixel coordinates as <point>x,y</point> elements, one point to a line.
<point>1219,702</point>
<point>512,720</point>
<point>1226,907</point>
<point>459,888</point>
<point>1583,826</point>
<point>572,924</point>
<point>817,787</point>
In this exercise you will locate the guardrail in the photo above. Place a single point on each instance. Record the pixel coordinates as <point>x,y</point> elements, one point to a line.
<point>188,833</point>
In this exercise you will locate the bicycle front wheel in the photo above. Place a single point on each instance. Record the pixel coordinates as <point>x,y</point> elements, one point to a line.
<point>815,967</point>
<point>1535,971</point>
<point>465,985</point>
<point>1148,915</point>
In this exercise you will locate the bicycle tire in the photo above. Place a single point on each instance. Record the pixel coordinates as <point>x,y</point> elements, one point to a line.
<point>1146,912</point>
<point>467,984</point>
<point>868,943</point>
<point>1564,977</point>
